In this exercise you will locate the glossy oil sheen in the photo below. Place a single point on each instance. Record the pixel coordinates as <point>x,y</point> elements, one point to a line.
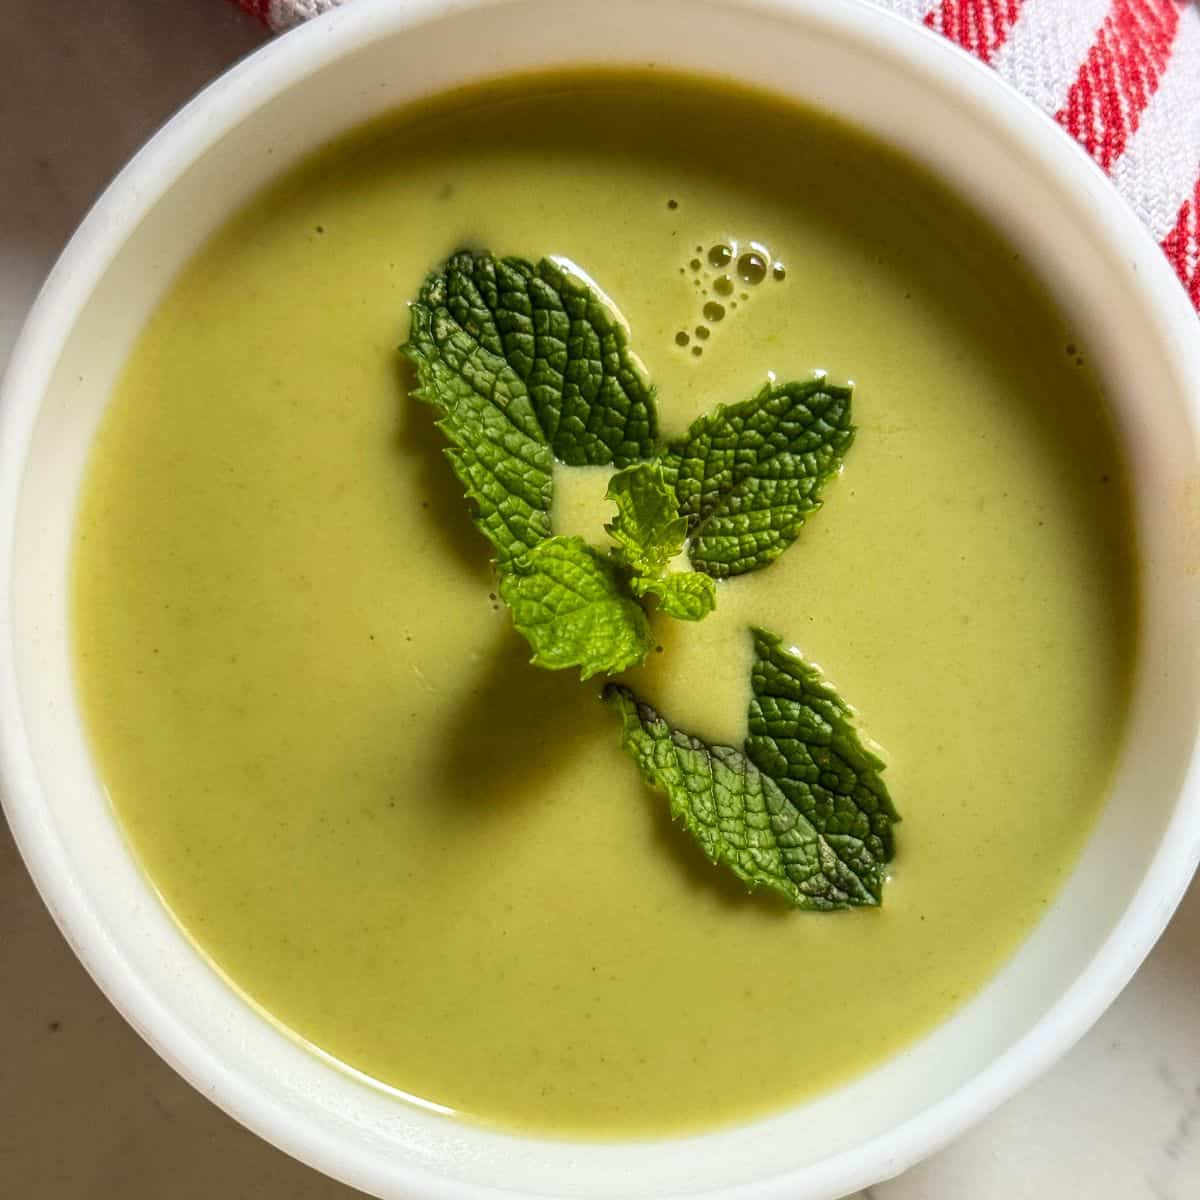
<point>432,861</point>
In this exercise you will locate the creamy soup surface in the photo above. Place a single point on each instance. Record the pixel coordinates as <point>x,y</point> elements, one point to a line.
<point>432,860</point>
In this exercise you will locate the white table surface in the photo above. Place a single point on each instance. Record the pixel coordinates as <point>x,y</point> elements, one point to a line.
<point>87,1112</point>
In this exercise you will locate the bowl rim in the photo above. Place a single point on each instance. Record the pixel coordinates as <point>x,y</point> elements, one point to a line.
<point>198,126</point>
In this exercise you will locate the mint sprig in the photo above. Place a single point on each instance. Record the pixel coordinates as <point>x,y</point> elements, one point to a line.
<point>528,364</point>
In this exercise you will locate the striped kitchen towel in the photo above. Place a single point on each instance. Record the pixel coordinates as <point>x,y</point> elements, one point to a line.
<point>1122,77</point>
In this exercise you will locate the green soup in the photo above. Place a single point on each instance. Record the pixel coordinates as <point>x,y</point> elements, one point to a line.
<point>433,861</point>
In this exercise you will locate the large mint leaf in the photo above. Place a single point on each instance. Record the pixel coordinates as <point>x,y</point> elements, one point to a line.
<point>566,599</point>
<point>544,345</point>
<point>802,735</point>
<point>747,475</point>
<point>738,815</point>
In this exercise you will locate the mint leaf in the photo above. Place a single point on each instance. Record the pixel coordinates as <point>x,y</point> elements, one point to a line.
<point>649,533</point>
<point>802,735</point>
<point>648,529</point>
<point>545,346</point>
<point>686,595</point>
<point>566,599</point>
<point>738,815</point>
<point>746,476</point>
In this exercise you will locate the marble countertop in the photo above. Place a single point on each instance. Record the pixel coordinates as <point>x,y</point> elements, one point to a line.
<point>87,1112</point>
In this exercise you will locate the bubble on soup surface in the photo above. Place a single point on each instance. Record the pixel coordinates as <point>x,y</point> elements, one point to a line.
<point>752,267</point>
<point>720,255</point>
<point>702,332</point>
<point>682,338</point>
<point>779,271</point>
<point>713,311</point>
<point>723,286</point>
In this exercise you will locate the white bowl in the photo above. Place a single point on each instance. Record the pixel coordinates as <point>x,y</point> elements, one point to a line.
<point>908,88</point>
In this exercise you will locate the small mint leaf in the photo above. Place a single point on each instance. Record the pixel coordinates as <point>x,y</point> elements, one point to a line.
<point>649,533</point>
<point>566,599</point>
<point>738,815</point>
<point>802,735</point>
<point>747,476</point>
<point>686,595</point>
<point>648,529</point>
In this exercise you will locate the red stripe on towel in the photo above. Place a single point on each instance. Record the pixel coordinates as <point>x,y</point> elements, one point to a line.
<point>980,26</point>
<point>1121,73</point>
<point>1182,245</point>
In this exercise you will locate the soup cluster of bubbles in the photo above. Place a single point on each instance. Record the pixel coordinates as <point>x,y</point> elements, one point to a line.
<point>725,274</point>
